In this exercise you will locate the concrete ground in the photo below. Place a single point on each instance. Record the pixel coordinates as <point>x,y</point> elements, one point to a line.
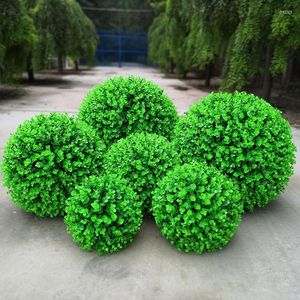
<point>38,259</point>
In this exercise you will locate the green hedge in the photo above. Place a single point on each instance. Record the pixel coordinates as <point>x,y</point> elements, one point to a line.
<point>45,158</point>
<point>121,106</point>
<point>103,214</point>
<point>245,138</point>
<point>197,208</point>
<point>142,159</point>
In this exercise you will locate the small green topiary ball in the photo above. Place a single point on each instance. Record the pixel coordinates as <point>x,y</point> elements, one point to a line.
<point>121,106</point>
<point>103,214</point>
<point>143,159</point>
<point>245,138</point>
<point>197,208</point>
<point>45,158</point>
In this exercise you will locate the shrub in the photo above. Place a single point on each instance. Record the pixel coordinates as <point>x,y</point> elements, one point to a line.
<point>103,214</point>
<point>197,207</point>
<point>143,159</point>
<point>245,138</point>
<point>122,106</point>
<point>45,158</point>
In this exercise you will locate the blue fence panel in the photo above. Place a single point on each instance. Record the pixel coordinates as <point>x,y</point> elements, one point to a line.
<point>122,47</point>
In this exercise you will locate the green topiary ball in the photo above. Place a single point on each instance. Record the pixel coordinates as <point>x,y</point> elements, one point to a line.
<point>245,138</point>
<point>103,214</point>
<point>143,159</point>
<point>122,106</point>
<point>197,208</point>
<point>45,158</point>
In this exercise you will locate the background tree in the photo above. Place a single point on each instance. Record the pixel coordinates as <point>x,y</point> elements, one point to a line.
<point>119,15</point>
<point>53,20</point>
<point>84,37</point>
<point>177,31</point>
<point>285,34</point>
<point>159,52</point>
<point>255,40</point>
<point>30,4</point>
<point>63,30</point>
<point>265,39</point>
<point>212,24</point>
<point>17,34</point>
<point>195,33</point>
<point>251,50</point>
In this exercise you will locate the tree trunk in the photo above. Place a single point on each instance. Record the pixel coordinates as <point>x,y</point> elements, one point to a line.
<point>171,66</point>
<point>60,63</point>
<point>267,80</point>
<point>76,65</point>
<point>29,68</point>
<point>289,71</point>
<point>208,74</point>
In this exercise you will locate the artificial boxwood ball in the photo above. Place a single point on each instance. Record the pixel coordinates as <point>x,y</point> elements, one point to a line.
<point>103,214</point>
<point>197,208</point>
<point>143,159</point>
<point>244,137</point>
<point>45,158</point>
<point>121,106</point>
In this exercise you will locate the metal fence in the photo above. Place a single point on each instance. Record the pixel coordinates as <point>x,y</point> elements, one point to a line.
<point>121,47</point>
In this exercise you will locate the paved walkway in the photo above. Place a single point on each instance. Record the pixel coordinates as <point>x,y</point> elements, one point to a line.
<point>38,260</point>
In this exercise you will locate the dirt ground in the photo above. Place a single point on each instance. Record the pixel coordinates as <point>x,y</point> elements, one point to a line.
<point>38,259</point>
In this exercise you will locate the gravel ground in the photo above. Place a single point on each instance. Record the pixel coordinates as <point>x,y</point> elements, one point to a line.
<point>38,259</point>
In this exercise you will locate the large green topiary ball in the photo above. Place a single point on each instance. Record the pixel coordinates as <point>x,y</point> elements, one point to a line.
<point>143,159</point>
<point>45,158</point>
<point>244,137</point>
<point>197,208</point>
<point>103,214</point>
<point>122,106</point>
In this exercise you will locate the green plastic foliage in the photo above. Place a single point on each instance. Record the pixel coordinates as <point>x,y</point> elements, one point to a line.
<point>45,158</point>
<point>197,208</point>
<point>245,138</point>
<point>103,214</point>
<point>122,106</point>
<point>143,159</point>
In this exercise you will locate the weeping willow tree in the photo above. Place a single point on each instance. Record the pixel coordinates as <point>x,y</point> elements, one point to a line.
<point>253,38</point>
<point>177,31</point>
<point>159,52</point>
<point>285,35</point>
<point>63,30</point>
<point>167,35</point>
<point>250,43</point>
<point>212,24</point>
<point>265,40</point>
<point>17,34</point>
<point>84,36</point>
<point>191,33</point>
